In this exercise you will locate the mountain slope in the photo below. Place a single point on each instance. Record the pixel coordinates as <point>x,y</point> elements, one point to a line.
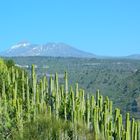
<point>130,87</point>
<point>134,56</point>
<point>49,49</point>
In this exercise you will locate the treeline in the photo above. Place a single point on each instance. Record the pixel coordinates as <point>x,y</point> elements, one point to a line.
<point>43,109</point>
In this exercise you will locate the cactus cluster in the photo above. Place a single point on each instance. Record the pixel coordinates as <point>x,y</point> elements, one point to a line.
<point>23,98</point>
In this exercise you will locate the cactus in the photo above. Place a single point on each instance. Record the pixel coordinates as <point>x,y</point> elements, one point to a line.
<point>23,88</point>
<point>138,130</point>
<point>88,112</point>
<point>132,129</point>
<point>23,100</point>
<point>135,131</point>
<point>34,83</point>
<point>128,126</point>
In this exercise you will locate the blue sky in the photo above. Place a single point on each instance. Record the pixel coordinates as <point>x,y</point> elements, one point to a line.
<point>103,27</point>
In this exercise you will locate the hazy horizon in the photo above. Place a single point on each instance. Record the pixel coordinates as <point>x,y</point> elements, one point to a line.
<point>106,28</point>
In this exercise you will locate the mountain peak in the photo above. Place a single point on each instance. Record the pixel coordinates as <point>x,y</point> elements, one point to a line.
<point>20,44</point>
<point>48,49</point>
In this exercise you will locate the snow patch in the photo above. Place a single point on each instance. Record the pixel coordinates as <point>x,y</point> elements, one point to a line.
<point>20,45</point>
<point>34,48</point>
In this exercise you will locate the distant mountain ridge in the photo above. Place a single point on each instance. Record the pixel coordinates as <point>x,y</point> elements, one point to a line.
<point>134,56</point>
<point>55,50</point>
<point>49,49</point>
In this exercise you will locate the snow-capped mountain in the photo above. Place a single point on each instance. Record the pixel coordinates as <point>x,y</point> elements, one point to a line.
<point>20,45</point>
<point>49,49</point>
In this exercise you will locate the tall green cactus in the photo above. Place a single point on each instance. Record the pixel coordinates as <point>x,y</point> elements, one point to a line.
<point>34,83</point>
<point>23,88</point>
<point>128,126</point>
